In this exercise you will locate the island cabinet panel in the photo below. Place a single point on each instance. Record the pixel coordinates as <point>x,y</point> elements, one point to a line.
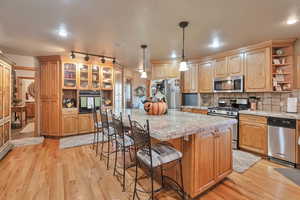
<point>221,69</point>
<point>258,70</point>
<point>70,124</point>
<point>253,134</point>
<point>1,136</point>
<point>85,123</point>
<point>205,72</point>
<point>236,65</point>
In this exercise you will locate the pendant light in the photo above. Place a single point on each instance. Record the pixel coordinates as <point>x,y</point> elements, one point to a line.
<point>144,73</point>
<point>183,64</point>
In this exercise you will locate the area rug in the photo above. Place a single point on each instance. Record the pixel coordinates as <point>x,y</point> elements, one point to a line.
<point>27,141</point>
<point>28,128</point>
<point>243,160</point>
<point>78,140</point>
<point>291,174</point>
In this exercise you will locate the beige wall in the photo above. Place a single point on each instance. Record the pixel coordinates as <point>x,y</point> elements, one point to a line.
<point>24,61</point>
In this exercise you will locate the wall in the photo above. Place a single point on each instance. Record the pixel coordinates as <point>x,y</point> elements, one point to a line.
<point>24,61</point>
<point>275,102</point>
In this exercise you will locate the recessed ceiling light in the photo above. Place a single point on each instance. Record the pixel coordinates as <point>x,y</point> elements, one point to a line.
<point>215,44</point>
<point>62,31</point>
<point>173,55</point>
<point>291,21</point>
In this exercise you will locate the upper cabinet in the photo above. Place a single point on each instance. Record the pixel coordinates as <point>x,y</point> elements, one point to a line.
<point>221,69</point>
<point>190,79</point>
<point>95,77</point>
<point>84,76</point>
<point>205,77</point>
<point>258,70</point>
<point>163,71</point>
<point>235,65</point>
<point>69,76</point>
<point>107,78</point>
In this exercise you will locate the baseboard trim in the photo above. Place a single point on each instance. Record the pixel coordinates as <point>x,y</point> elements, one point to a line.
<point>5,149</point>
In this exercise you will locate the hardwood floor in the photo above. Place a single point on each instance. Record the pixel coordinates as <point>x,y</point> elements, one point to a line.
<point>45,172</point>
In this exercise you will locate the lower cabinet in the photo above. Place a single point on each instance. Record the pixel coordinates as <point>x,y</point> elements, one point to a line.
<point>253,134</point>
<point>50,117</point>
<point>85,123</point>
<point>70,124</point>
<point>1,136</point>
<point>194,110</point>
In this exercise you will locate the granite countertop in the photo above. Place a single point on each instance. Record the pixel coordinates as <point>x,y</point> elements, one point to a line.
<point>197,107</point>
<point>177,124</point>
<point>271,114</point>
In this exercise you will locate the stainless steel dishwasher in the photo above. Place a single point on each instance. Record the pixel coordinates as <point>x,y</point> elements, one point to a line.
<point>282,139</point>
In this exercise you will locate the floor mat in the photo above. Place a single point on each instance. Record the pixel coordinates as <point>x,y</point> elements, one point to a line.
<point>290,173</point>
<point>78,140</point>
<point>243,160</point>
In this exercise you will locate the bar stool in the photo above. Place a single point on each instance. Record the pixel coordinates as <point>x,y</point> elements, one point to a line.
<point>153,157</point>
<point>107,134</point>
<point>97,130</point>
<point>123,144</point>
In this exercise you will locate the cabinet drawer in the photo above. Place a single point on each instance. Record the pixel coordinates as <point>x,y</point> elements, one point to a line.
<point>253,119</point>
<point>199,111</point>
<point>69,111</point>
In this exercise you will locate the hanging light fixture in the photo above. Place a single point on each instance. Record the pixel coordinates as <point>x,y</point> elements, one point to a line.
<point>144,73</point>
<point>72,55</point>
<point>183,64</point>
<point>87,58</point>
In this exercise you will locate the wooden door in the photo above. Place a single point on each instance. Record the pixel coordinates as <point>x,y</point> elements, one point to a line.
<point>49,80</point>
<point>69,124</point>
<point>6,92</point>
<point>258,71</point>
<point>1,136</point>
<point>1,91</point>
<point>223,154</point>
<point>205,78</point>
<point>235,65</point>
<point>69,75</point>
<point>50,117</point>
<point>85,124</point>
<point>194,78</point>
<point>204,161</point>
<point>221,67</point>
<point>253,137</point>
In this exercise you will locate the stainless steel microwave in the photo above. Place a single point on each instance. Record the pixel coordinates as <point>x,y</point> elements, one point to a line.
<point>229,84</point>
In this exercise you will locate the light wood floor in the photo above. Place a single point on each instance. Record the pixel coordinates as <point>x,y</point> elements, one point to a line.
<point>45,172</point>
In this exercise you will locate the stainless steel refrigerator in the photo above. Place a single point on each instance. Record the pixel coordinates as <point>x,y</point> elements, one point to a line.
<point>168,90</point>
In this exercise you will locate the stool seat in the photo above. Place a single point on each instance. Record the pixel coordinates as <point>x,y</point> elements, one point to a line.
<point>161,154</point>
<point>128,141</point>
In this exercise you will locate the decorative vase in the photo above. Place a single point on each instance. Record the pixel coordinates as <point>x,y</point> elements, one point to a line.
<point>155,108</point>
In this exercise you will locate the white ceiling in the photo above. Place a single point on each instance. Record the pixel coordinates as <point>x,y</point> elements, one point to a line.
<point>119,27</point>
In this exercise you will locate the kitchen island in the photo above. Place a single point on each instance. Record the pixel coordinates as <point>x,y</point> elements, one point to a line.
<point>205,141</point>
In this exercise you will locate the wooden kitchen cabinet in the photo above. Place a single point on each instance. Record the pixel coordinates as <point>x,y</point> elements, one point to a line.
<point>258,70</point>
<point>6,92</point>
<point>164,70</point>
<point>220,66</point>
<point>50,118</point>
<point>69,75</point>
<point>84,76</point>
<point>236,65</point>
<point>85,123</point>
<point>190,83</point>
<point>69,124</point>
<point>205,77</point>
<point>253,134</point>
<point>1,92</point>
<point>1,136</point>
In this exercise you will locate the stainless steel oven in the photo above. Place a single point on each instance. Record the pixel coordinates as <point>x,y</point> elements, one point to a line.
<point>229,84</point>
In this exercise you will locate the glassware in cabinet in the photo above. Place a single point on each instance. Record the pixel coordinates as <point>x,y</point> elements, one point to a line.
<point>95,77</point>
<point>107,78</point>
<point>69,75</point>
<point>83,76</point>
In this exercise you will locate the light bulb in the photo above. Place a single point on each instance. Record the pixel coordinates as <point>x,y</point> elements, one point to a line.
<point>144,75</point>
<point>183,66</point>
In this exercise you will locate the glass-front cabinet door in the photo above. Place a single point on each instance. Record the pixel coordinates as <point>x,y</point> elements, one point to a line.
<point>95,77</point>
<point>107,78</point>
<point>83,76</point>
<point>69,76</point>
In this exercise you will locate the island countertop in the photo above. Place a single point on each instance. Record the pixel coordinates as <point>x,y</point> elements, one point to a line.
<point>177,124</point>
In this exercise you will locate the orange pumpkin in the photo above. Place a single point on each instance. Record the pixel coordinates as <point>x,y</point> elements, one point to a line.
<point>155,108</point>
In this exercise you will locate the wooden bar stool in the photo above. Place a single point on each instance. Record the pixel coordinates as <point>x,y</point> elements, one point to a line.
<point>153,157</point>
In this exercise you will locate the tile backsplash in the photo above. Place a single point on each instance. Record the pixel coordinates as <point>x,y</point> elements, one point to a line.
<point>270,101</point>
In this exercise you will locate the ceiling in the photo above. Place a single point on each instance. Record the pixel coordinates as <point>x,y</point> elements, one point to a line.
<point>119,27</point>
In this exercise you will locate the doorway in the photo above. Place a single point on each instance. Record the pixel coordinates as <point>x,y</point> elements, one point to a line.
<point>23,103</point>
